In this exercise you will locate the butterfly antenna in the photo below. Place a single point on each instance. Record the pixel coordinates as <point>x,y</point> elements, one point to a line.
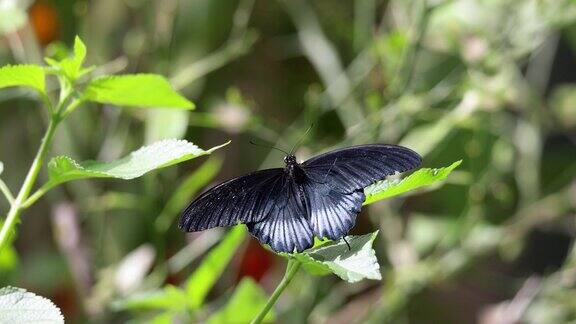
<point>344,238</point>
<point>268,146</point>
<point>301,139</point>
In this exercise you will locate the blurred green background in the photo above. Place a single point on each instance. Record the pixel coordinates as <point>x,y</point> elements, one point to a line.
<point>490,82</point>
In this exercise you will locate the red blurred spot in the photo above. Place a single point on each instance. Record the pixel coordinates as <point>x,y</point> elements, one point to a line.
<point>65,298</point>
<point>44,20</point>
<point>255,262</point>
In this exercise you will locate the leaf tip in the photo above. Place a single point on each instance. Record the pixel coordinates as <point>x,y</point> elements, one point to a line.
<point>218,147</point>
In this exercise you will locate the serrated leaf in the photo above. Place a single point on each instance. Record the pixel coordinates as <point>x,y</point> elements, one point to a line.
<point>354,264</point>
<point>71,67</point>
<point>244,305</point>
<point>25,75</point>
<point>135,90</point>
<point>155,156</point>
<point>421,178</point>
<point>19,306</point>
<point>207,274</point>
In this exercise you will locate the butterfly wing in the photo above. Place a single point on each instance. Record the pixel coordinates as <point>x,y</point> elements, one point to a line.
<point>336,182</point>
<point>245,199</point>
<point>287,229</point>
<point>359,166</point>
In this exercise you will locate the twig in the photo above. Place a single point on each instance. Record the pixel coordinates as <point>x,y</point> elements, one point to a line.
<point>7,193</point>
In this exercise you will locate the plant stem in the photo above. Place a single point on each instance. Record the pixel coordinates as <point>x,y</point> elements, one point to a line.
<point>16,208</point>
<point>6,191</point>
<point>291,269</point>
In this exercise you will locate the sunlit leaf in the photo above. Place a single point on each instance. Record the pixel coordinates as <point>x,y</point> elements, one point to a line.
<point>135,90</point>
<point>19,306</point>
<point>421,178</point>
<point>27,75</point>
<point>247,300</point>
<point>163,318</point>
<point>354,264</point>
<point>158,155</point>
<point>71,67</point>
<point>207,274</point>
<point>1,167</point>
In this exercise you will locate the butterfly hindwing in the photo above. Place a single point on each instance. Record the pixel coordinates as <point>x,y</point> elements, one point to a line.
<point>332,208</point>
<point>336,182</point>
<point>248,198</point>
<point>287,229</point>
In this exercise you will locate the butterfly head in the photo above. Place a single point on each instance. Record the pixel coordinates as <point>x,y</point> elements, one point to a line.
<point>290,159</point>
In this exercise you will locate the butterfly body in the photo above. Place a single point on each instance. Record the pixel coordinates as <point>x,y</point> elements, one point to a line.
<point>294,170</point>
<point>286,207</point>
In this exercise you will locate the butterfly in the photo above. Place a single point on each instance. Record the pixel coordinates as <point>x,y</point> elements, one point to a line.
<point>286,208</point>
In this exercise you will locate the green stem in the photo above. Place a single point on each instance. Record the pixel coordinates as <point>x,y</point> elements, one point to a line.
<point>291,269</point>
<point>16,208</point>
<point>6,191</point>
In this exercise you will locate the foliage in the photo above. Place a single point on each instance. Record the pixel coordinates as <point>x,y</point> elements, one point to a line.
<point>421,178</point>
<point>243,305</point>
<point>22,75</point>
<point>351,264</point>
<point>19,306</point>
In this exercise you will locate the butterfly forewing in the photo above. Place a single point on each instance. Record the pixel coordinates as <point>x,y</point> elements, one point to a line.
<point>359,166</point>
<point>249,198</point>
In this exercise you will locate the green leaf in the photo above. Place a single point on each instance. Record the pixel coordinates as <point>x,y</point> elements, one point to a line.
<point>1,167</point>
<point>354,264</point>
<point>213,265</point>
<point>71,67</point>
<point>163,318</point>
<point>158,155</point>
<point>19,306</point>
<point>26,75</point>
<point>243,306</point>
<point>169,298</point>
<point>8,259</point>
<point>421,178</point>
<point>135,90</point>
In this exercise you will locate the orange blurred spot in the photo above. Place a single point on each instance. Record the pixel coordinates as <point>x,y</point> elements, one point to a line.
<point>44,20</point>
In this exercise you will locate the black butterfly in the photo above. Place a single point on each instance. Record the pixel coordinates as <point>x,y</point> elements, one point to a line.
<point>285,208</point>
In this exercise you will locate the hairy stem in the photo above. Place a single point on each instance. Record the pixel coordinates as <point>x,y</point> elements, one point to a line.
<point>291,269</point>
<point>16,208</point>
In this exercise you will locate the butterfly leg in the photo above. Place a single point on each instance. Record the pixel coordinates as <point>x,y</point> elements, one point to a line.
<point>344,238</point>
